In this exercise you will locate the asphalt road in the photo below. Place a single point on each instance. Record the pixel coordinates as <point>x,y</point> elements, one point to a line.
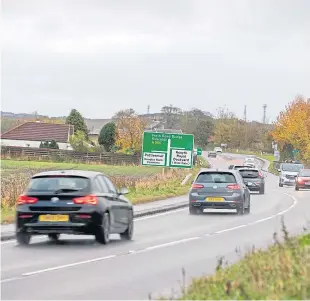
<point>78,268</point>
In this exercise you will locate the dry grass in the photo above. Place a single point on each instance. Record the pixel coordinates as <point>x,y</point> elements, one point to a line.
<point>143,186</point>
<point>282,272</point>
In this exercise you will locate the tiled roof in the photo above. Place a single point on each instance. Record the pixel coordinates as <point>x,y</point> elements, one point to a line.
<point>39,131</point>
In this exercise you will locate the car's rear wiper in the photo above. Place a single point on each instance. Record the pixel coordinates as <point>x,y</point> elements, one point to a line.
<point>66,190</point>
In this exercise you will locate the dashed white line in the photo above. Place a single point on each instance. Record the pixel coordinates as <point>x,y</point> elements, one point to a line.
<point>68,265</point>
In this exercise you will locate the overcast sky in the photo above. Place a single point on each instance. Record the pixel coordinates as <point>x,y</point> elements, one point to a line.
<point>103,56</point>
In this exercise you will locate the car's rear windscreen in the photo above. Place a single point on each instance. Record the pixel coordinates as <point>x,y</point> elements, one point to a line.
<point>216,177</point>
<point>54,183</point>
<point>305,173</point>
<point>249,173</point>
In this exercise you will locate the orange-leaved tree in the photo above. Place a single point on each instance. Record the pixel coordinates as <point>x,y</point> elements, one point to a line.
<point>130,128</point>
<point>293,127</point>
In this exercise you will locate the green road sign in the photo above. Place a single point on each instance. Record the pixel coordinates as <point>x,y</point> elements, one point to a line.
<point>165,149</point>
<point>199,151</point>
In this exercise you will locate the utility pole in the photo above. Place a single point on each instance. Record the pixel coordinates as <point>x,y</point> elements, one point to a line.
<point>244,113</point>
<point>148,109</point>
<point>264,113</point>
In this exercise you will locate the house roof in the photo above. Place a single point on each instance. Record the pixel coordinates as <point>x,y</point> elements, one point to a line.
<point>40,131</point>
<point>94,126</point>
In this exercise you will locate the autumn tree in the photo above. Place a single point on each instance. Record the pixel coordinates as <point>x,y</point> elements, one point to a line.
<point>293,127</point>
<point>76,119</point>
<point>130,129</point>
<point>171,116</point>
<point>203,132</point>
<point>107,136</point>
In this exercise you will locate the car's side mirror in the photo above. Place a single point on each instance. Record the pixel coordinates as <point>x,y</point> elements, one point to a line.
<point>123,191</point>
<point>279,170</point>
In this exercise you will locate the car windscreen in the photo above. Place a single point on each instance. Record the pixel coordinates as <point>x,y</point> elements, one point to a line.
<point>56,183</point>
<point>216,177</point>
<point>249,173</point>
<point>305,173</point>
<point>291,167</point>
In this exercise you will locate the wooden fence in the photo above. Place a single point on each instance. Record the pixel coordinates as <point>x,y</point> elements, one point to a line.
<point>44,154</point>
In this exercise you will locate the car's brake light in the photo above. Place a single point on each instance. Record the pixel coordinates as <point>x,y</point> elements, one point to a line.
<point>86,200</point>
<point>300,180</point>
<point>233,187</point>
<point>197,186</point>
<point>260,175</point>
<point>25,199</point>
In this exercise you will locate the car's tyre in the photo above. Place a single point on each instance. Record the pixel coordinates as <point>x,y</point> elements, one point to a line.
<point>241,209</point>
<point>54,236</point>
<point>103,231</point>
<point>195,211</point>
<point>280,184</point>
<point>262,190</point>
<point>296,188</point>
<point>128,234</point>
<point>248,210</point>
<point>23,238</point>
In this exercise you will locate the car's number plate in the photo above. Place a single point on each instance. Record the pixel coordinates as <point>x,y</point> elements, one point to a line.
<point>250,183</point>
<point>54,218</point>
<point>307,183</point>
<point>215,199</point>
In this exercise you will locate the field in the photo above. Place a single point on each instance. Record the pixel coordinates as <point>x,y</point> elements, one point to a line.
<point>145,184</point>
<point>282,272</point>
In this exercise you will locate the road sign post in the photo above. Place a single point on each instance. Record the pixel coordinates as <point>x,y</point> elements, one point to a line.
<point>167,149</point>
<point>199,151</point>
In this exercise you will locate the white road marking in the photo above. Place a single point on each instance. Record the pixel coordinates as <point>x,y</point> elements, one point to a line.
<point>68,265</point>
<point>168,244</point>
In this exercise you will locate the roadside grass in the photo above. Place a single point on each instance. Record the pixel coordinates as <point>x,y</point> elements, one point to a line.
<point>282,272</point>
<point>143,187</point>
<point>10,166</point>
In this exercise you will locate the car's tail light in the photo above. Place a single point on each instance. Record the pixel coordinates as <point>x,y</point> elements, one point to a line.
<point>233,187</point>
<point>86,200</point>
<point>300,180</point>
<point>25,199</point>
<point>25,215</point>
<point>260,175</point>
<point>197,186</point>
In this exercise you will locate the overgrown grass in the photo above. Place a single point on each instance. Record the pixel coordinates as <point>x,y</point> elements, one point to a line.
<point>282,272</point>
<point>10,166</point>
<point>143,187</point>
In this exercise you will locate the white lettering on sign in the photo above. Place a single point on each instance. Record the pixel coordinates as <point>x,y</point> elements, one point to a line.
<point>181,158</point>
<point>154,158</point>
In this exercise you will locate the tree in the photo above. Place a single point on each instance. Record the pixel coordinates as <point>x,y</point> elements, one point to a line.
<point>79,143</point>
<point>107,136</point>
<point>130,129</point>
<point>293,127</point>
<point>77,120</point>
<point>203,132</point>
<point>172,116</point>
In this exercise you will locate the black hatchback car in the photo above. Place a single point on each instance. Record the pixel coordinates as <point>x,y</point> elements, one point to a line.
<point>253,179</point>
<point>73,202</point>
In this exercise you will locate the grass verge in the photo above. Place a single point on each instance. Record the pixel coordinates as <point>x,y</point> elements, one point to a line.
<point>282,272</point>
<point>142,188</point>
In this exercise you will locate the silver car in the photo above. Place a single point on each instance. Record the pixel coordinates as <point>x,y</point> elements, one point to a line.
<point>219,189</point>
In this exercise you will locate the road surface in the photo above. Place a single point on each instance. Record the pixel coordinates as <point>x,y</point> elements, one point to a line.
<point>78,268</point>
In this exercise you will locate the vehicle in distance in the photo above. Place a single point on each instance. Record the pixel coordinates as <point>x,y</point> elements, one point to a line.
<point>212,154</point>
<point>218,150</point>
<point>236,167</point>
<point>288,173</point>
<point>219,189</point>
<point>73,202</point>
<point>303,179</point>
<point>249,165</point>
<point>253,179</point>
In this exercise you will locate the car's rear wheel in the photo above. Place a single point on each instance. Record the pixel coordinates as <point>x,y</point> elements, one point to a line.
<point>280,184</point>
<point>23,238</point>
<point>103,231</point>
<point>240,209</point>
<point>128,234</point>
<point>195,211</point>
<point>54,236</point>
<point>248,210</point>
<point>296,188</point>
<point>262,190</point>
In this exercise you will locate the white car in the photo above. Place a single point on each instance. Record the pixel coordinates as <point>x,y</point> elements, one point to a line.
<point>218,150</point>
<point>249,160</point>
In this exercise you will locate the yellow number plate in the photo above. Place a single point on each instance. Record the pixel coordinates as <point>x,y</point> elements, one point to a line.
<point>215,199</point>
<point>53,218</point>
